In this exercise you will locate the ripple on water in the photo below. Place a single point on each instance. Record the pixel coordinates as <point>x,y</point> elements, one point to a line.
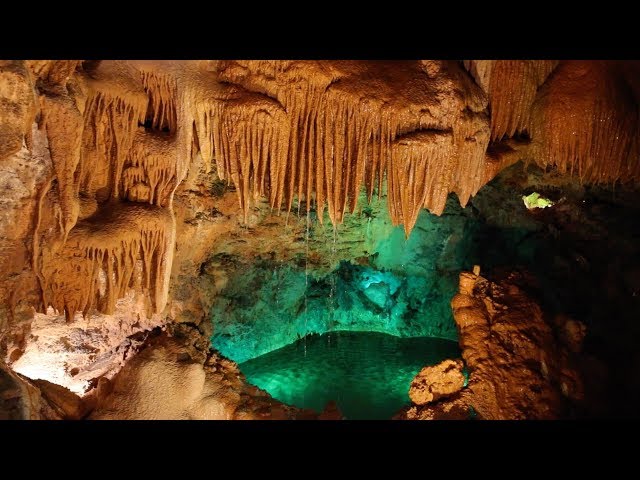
<point>367,373</point>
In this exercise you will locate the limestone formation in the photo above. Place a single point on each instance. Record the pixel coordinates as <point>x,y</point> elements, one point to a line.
<point>585,122</point>
<point>512,86</point>
<point>433,383</point>
<point>347,120</point>
<point>107,170</point>
<point>172,380</point>
<point>125,132</point>
<point>517,369</point>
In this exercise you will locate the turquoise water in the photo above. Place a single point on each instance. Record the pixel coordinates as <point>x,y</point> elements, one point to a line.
<point>368,374</point>
<point>389,292</point>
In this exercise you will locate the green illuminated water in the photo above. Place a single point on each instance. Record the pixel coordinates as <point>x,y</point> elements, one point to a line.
<point>368,374</point>
<point>367,320</point>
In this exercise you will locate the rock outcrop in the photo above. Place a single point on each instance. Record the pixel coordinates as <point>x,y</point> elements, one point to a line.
<point>517,368</point>
<point>436,382</point>
<point>174,378</point>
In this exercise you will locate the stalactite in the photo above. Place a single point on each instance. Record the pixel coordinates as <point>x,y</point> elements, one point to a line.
<point>64,125</point>
<point>149,174</point>
<point>585,122</point>
<point>245,133</point>
<point>108,249</point>
<point>511,86</point>
<point>342,119</point>
<point>162,96</point>
<point>315,131</point>
<point>115,106</point>
<point>416,177</point>
<point>246,159</point>
<point>468,174</point>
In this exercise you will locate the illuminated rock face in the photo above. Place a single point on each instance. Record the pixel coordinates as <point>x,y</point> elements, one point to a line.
<point>508,349</point>
<point>376,281</point>
<point>172,379</point>
<point>434,382</point>
<point>102,163</point>
<point>315,131</point>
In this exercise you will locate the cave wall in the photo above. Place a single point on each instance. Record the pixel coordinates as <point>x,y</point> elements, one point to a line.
<point>121,136</point>
<point>111,169</point>
<point>366,277</point>
<point>522,365</point>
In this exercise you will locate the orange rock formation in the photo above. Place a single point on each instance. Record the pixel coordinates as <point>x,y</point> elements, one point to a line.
<point>92,152</point>
<point>318,131</point>
<point>517,368</point>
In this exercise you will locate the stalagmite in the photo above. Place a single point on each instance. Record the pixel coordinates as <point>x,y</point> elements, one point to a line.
<point>585,122</point>
<point>511,86</point>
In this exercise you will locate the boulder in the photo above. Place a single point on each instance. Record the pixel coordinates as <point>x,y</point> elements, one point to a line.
<point>436,382</point>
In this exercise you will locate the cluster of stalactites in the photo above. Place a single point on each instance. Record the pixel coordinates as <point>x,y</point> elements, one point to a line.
<point>101,154</point>
<point>161,111</point>
<point>416,176</point>
<point>426,165</point>
<point>585,122</point>
<point>319,131</point>
<point>511,86</point>
<point>243,133</point>
<point>332,142</point>
<point>315,131</point>
<point>110,124</point>
<point>149,174</point>
<point>336,145</point>
<point>63,123</point>
<point>103,258</point>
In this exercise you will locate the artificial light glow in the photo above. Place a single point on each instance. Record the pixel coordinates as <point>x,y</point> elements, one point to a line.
<point>366,373</point>
<point>42,369</point>
<point>534,200</point>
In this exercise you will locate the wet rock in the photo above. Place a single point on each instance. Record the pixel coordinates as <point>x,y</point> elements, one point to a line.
<point>436,382</point>
<point>331,412</point>
<point>518,368</point>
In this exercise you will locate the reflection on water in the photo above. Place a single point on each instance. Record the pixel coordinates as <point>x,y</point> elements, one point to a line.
<point>368,374</point>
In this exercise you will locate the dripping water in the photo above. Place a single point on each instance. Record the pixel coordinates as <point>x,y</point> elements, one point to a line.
<point>306,280</point>
<point>276,276</point>
<point>332,283</point>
